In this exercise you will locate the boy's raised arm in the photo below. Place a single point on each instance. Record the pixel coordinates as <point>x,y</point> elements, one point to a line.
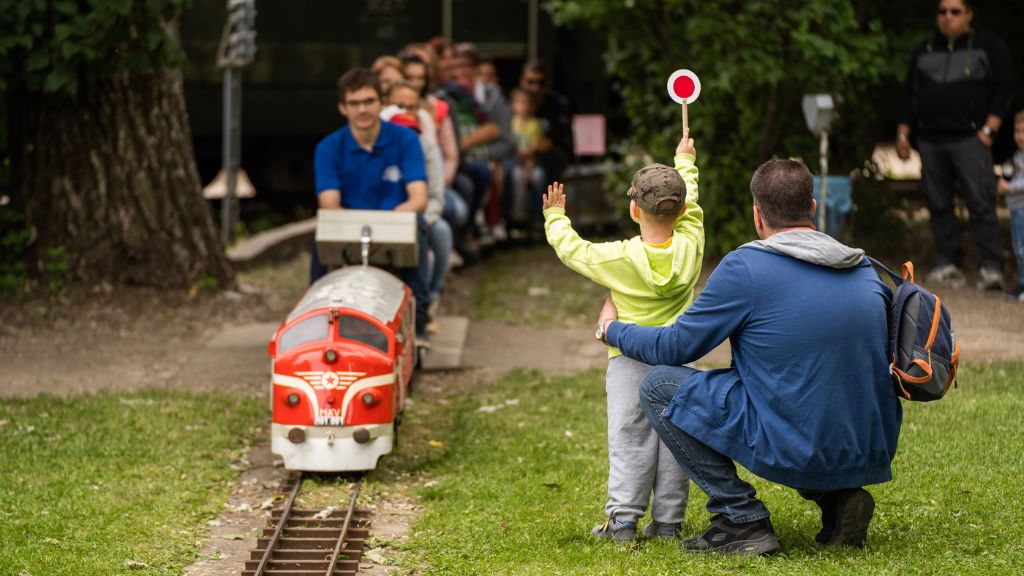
<point>575,252</point>
<point>685,163</point>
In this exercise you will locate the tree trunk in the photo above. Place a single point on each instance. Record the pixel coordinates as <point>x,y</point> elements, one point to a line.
<point>110,178</point>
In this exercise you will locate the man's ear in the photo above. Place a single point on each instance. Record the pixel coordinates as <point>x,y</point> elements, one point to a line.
<point>814,208</point>
<point>341,109</point>
<point>758,220</point>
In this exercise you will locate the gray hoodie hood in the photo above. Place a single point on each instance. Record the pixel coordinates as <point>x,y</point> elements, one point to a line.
<point>811,246</point>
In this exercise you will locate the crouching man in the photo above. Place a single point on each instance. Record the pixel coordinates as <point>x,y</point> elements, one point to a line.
<point>808,401</point>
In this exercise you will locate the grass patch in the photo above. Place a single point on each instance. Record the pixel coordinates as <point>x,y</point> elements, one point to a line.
<point>531,286</point>
<point>116,483</point>
<point>521,486</point>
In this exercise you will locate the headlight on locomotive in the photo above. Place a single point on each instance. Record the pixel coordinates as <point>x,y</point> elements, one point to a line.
<point>370,398</point>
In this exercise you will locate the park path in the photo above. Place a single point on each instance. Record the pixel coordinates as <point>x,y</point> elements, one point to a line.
<point>142,339</point>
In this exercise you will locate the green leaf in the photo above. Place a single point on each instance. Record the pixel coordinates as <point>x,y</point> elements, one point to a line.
<point>59,78</point>
<point>62,31</point>
<point>67,8</point>
<point>37,60</point>
<point>69,50</point>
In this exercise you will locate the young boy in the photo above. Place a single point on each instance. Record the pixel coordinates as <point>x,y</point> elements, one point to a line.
<point>651,278</point>
<point>1014,191</point>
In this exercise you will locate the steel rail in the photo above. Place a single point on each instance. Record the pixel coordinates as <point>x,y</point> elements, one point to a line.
<point>344,527</point>
<point>285,511</point>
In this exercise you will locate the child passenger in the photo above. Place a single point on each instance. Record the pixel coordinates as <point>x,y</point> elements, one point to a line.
<point>651,278</point>
<point>1014,191</point>
<point>526,177</point>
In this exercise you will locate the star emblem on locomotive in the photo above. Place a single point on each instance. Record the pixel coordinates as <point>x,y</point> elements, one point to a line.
<point>330,380</point>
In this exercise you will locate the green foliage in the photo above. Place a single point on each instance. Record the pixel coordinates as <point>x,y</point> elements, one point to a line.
<point>16,279</point>
<point>755,59</point>
<point>105,484</point>
<point>55,46</point>
<point>520,487</point>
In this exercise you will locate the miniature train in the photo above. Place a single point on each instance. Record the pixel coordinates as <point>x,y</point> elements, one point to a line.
<point>344,357</point>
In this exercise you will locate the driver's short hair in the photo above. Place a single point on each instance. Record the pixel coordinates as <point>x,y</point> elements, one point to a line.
<point>357,79</point>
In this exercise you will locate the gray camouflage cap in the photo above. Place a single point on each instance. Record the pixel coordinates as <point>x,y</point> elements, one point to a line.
<point>658,189</point>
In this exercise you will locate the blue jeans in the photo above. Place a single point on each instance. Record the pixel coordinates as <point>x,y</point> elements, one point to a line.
<point>713,473</point>
<point>439,237</point>
<point>1017,234</point>
<point>456,212</point>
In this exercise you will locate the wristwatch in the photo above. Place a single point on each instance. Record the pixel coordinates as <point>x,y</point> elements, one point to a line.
<point>599,333</point>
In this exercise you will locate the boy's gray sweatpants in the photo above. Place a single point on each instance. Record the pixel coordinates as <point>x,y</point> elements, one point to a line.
<point>638,462</point>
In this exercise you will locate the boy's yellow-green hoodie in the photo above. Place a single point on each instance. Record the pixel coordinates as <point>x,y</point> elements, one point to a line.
<point>651,285</point>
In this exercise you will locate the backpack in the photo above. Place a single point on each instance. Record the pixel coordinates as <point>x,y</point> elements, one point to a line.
<point>925,353</point>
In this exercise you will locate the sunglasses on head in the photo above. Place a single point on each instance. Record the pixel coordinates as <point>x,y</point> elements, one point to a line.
<point>950,11</point>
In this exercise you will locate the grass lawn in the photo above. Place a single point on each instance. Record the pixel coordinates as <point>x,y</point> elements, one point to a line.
<point>523,481</point>
<point>529,285</point>
<point>116,483</point>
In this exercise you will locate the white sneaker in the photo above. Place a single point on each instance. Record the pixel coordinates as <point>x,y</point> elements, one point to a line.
<point>455,261</point>
<point>990,279</point>
<point>946,274</point>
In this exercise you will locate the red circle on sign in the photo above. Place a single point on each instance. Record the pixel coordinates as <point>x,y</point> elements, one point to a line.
<point>683,87</point>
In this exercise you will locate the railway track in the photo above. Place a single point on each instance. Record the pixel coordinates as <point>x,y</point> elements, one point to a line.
<point>307,542</point>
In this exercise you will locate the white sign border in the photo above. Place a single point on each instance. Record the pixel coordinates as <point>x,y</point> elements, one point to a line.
<point>696,86</point>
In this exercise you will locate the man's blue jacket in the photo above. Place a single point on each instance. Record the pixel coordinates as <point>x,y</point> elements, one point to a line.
<point>808,401</point>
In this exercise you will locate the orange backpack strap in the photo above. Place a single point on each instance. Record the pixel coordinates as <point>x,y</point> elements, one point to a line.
<point>908,271</point>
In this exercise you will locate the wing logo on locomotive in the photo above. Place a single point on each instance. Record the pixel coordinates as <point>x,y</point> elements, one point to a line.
<point>330,380</point>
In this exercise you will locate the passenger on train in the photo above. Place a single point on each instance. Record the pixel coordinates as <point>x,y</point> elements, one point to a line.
<point>373,165</point>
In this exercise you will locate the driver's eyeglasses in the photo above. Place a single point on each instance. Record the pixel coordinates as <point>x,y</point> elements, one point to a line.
<point>950,11</point>
<point>360,103</point>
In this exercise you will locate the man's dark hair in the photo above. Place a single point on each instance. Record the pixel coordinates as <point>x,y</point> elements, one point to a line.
<point>967,4</point>
<point>537,67</point>
<point>357,79</point>
<point>783,191</point>
<point>468,51</point>
<point>410,58</point>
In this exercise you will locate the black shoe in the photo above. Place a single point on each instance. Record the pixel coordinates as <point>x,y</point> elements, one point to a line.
<point>852,514</point>
<point>755,538</point>
<point>826,501</point>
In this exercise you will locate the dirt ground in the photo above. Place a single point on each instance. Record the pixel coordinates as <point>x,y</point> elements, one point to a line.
<point>123,339</point>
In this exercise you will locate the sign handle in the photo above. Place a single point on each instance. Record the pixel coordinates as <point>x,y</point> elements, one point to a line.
<point>686,121</point>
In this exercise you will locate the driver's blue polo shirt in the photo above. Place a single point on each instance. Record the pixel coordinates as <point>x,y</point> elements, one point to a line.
<point>369,180</point>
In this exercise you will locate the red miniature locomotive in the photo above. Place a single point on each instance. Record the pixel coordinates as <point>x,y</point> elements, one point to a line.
<point>344,356</point>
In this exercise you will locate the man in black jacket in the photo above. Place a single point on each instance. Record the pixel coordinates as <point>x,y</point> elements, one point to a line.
<point>958,89</point>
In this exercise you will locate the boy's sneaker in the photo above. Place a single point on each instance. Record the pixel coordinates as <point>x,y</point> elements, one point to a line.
<point>853,512</point>
<point>990,279</point>
<point>755,538</point>
<point>614,530</point>
<point>1017,294</point>
<point>663,530</point>
<point>946,274</point>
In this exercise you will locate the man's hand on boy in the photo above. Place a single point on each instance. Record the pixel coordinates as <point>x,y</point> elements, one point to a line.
<point>1003,186</point>
<point>686,145</point>
<point>555,198</point>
